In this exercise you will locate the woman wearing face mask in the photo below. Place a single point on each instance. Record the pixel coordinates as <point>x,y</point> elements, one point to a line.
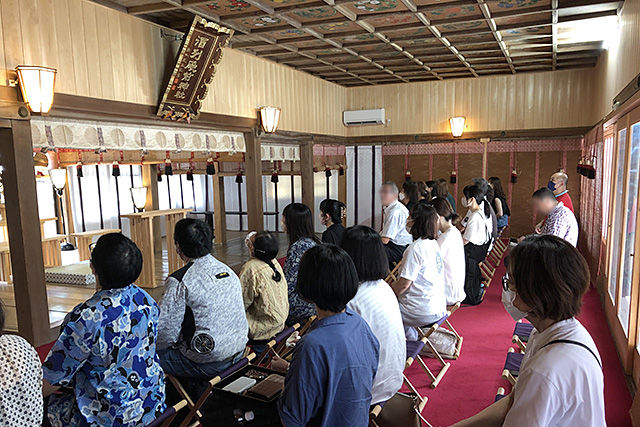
<point>476,238</point>
<point>560,381</point>
<point>420,288</point>
<point>331,214</point>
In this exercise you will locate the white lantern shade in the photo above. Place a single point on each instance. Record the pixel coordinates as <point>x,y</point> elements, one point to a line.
<point>37,86</point>
<point>457,125</point>
<point>269,118</point>
<point>58,178</point>
<point>139,196</point>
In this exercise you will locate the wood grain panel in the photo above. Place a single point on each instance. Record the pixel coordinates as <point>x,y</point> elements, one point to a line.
<point>394,169</point>
<point>498,165</point>
<point>521,212</point>
<point>520,101</point>
<point>442,167</point>
<point>469,167</point>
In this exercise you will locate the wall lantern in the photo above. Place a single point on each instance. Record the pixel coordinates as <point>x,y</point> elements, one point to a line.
<point>269,118</point>
<point>37,86</point>
<point>139,196</point>
<point>58,179</point>
<point>457,125</point>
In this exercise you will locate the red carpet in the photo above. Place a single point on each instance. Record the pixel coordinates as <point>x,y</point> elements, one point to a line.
<point>472,380</point>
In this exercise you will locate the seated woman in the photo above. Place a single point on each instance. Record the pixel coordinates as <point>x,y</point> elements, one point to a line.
<point>476,239</point>
<point>297,222</point>
<point>499,202</point>
<point>420,287</point>
<point>377,304</point>
<point>560,381</point>
<point>264,289</point>
<point>451,250</point>
<point>106,352</point>
<point>411,194</point>
<point>330,377</point>
<point>20,381</point>
<point>331,214</point>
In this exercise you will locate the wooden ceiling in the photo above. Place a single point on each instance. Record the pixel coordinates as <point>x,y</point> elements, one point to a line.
<point>364,42</point>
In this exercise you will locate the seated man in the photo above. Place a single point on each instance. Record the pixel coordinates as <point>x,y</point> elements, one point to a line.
<point>559,220</point>
<point>331,374</point>
<point>106,352</point>
<point>203,328</point>
<point>395,236</point>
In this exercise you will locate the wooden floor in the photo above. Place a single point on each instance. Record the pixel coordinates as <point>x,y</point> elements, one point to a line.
<point>63,298</point>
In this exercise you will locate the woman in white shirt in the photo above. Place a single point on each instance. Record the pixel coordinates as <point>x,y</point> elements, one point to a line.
<point>420,287</point>
<point>377,305</point>
<point>20,381</point>
<point>451,250</point>
<point>476,239</point>
<point>560,381</point>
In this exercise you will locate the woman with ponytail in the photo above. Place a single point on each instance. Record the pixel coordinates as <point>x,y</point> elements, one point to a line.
<point>264,289</point>
<point>331,214</point>
<point>476,238</point>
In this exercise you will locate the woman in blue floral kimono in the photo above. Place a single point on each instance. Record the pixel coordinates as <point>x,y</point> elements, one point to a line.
<point>106,352</point>
<point>297,221</point>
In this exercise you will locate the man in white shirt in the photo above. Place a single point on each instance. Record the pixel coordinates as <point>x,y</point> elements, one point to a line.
<point>559,221</point>
<point>395,236</point>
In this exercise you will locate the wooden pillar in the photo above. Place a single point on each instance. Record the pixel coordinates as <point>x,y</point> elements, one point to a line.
<point>150,180</point>
<point>253,172</point>
<point>306,172</point>
<point>23,226</point>
<point>219,216</point>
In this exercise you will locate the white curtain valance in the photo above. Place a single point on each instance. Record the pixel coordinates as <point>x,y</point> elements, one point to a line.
<point>87,135</point>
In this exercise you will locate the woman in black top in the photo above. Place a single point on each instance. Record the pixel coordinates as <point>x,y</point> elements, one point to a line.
<point>331,214</point>
<point>499,202</point>
<point>411,194</point>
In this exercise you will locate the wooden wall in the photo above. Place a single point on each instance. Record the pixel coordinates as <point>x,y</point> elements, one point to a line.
<point>535,161</point>
<point>618,65</point>
<point>521,101</point>
<point>102,53</point>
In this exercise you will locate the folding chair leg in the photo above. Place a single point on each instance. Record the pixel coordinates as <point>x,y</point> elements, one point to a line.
<point>509,377</point>
<point>435,379</point>
<point>182,392</point>
<point>459,339</point>
<point>516,340</point>
<point>413,389</point>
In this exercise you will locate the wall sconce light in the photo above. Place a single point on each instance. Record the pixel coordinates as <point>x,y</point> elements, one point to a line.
<point>139,197</point>
<point>58,179</point>
<point>269,118</point>
<point>457,125</point>
<point>37,86</point>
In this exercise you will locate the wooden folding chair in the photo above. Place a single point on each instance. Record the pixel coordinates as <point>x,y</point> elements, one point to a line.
<point>283,351</point>
<point>194,407</point>
<point>402,409</point>
<point>512,366</point>
<point>276,343</point>
<point>487,272</point>
<point>452,309</point>
<point>164,420</point>
<point>413,353</point>
<point>435,379</point>
<point>500,394</point>
<point>521,334</point>
<point>393,274</point>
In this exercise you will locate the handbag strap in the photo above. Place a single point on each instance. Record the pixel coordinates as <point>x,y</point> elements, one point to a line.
<point>578,343</point>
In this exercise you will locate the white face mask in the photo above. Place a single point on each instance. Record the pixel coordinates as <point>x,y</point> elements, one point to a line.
<point>508,297</point>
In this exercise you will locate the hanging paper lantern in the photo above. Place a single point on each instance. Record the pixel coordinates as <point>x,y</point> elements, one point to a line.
<point>239,178</point>
<point>454,177</point>
<point>115,170</point>
<point>79,170</point>
<point>514,176</point>
<point>190,175</point>
<point>327,172</point>
<point>211,169</point>
<point>274,177</point>
<point>341,170</point>
<point>407,175</point>
<point>159,174</point>
<point>168,168</point>
<point>588,169</point>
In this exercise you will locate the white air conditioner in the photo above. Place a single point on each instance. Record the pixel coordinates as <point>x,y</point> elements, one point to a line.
<point>363,117</point>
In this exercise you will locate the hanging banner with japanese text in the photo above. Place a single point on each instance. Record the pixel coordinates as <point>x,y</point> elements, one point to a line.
<point>200,53</point>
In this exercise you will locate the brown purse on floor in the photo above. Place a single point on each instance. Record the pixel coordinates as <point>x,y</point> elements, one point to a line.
<point>399,411</point>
